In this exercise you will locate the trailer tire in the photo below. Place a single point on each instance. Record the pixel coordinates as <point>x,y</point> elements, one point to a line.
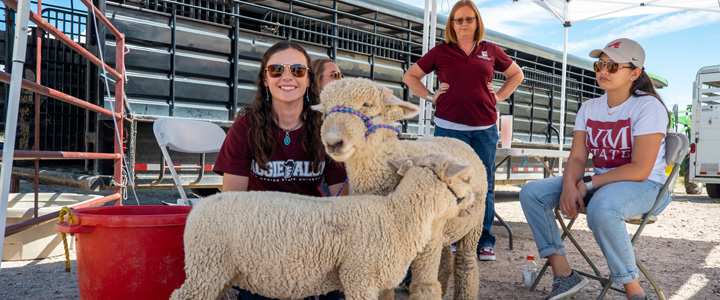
<point>691,188</point>
<point>713,190</point>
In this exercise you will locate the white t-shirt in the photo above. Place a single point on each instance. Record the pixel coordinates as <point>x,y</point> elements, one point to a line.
<point>610,132</point>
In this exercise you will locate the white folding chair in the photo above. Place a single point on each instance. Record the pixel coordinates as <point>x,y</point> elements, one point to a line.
<point>187,136</point>
<point>676,146</point>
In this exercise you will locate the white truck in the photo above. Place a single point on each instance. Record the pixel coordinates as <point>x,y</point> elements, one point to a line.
<point>704,157</point>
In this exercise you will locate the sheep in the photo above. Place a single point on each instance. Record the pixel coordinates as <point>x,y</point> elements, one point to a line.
<point>366,143</point>
<point>283,245</point>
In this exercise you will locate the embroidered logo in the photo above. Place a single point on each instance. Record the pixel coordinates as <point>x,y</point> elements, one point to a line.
<point>484,55</point>
<point>616,45</point>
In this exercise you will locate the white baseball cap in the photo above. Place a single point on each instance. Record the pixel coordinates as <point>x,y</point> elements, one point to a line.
<point>623,51</point>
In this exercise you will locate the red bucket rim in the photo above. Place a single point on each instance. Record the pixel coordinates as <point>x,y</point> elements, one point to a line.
<point>132,215</point>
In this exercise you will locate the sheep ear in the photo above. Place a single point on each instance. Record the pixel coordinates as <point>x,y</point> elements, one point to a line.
<point>401,165</point>
<point>318,107</point>
<point>399,108</point>
<point>457,168</point>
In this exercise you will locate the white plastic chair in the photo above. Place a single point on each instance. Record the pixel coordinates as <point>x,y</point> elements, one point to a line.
<point>187,136</point>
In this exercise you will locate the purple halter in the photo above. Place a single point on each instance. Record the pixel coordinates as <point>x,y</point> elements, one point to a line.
<point>366,120</point>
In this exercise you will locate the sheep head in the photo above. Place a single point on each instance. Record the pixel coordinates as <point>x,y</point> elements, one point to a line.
<point>448,172</point>
<point>344,133</point>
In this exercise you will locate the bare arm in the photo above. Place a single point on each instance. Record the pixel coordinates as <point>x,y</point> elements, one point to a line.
<point>514,77</point>
<point>235,183</point>
<point>571,198</point>
<point>335,187</point>
<point>412,79</point>
<point>644,154</point>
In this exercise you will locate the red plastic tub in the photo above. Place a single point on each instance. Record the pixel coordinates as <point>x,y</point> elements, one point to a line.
<point>129,252</point>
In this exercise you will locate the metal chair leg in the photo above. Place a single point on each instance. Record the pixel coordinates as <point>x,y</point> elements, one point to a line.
<point>657,289</point>
<point>510,233</point>
<point>540,275</point>
<point>566,230</point>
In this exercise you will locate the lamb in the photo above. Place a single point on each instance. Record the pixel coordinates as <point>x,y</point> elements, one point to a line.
<point>283,245</point>
<point>357,130</point>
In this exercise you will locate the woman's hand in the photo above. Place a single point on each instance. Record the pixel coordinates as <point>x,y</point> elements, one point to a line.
<point>492,92</point>
<point>444,86</point>
<point>572,198</point>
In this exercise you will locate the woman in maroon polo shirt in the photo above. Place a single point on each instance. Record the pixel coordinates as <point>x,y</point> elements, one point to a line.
<point>275,144</point>
<point>465,66</point>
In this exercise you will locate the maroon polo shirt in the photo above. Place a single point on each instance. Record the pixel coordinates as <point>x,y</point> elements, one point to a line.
<point>468,100</point>
<point>289,169</point>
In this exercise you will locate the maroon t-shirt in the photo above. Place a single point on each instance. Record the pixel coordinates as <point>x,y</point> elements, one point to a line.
<point>289,169</point>
<point>468,100</point>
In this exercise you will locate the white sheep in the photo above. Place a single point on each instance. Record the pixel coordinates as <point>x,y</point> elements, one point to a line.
<point>357,130</point>
<point>283,245</point>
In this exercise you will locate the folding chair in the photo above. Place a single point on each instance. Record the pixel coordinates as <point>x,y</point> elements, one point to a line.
<point>187,136</point>
<point>676,146</point>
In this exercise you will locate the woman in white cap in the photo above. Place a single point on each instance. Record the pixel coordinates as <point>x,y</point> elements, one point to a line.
<point>624,130</point>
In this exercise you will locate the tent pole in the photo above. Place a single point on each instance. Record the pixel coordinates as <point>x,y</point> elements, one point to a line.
<point>13,102</point>
<point>430,77</point>
<point>425,48</point>
<point>563,85</point>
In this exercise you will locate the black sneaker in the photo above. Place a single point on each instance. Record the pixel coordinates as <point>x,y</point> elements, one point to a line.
<point>565,286</point>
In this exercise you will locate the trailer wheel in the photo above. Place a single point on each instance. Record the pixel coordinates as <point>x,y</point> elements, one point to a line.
<point>691,188</point>
<point>713,190</point>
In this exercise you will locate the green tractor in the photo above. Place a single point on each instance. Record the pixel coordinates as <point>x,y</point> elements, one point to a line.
<point>680,122</point>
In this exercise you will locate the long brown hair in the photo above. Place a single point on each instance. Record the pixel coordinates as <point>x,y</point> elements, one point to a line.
<point>645,85</point>
<point>261,115</point>
<point>318,66</point>
<point>450,36</point>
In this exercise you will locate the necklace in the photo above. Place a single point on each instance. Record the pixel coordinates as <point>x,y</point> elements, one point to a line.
<point>612,110</point>
<point>286,140</point>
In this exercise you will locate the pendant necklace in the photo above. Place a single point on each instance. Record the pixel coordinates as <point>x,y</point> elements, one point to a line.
<point>286,140</point>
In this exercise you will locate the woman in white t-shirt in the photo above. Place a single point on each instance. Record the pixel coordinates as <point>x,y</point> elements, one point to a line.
<point>624,130</point>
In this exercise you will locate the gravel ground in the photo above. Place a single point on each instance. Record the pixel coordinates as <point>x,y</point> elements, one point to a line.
<point>682,251</point>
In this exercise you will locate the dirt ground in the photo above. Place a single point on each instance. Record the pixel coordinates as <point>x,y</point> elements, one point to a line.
<point>682,251</point>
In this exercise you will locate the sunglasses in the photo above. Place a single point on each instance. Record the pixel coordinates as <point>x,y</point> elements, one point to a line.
<point>336,75</point>
<point>277,70</point>
<point>469,20</point>
<point>612,66</point>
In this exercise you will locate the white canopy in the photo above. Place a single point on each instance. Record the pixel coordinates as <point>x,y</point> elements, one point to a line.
<point>573,11</point>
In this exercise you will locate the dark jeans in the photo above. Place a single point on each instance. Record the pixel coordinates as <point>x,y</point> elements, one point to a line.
<point>484,142</point>
<point>248,295</point>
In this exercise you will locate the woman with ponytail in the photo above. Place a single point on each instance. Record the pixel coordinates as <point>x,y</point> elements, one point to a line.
<point>624,130</point>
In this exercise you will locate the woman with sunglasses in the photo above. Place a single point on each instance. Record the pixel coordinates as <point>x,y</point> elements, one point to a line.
<point>326,71</point>
<point>466,100</point>
<point>275,144</point>
<point>624,130</point>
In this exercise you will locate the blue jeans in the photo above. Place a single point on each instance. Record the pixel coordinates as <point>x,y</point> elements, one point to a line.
<point>607,210</point>
<point>484,142</point>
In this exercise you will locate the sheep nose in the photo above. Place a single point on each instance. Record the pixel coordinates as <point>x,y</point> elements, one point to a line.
<point>334,146</point>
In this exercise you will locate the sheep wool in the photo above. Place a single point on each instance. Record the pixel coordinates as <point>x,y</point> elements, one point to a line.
<point>283,245</point>
<point>348,138</point>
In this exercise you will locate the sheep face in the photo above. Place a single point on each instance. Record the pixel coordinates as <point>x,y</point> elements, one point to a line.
<point>452,178</point>
<point>344,133</point>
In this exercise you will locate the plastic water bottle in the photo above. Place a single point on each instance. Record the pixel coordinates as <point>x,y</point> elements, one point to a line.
<point>529,272</point>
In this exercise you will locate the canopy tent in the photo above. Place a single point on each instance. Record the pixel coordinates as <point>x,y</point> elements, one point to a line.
<point>573,11</point>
